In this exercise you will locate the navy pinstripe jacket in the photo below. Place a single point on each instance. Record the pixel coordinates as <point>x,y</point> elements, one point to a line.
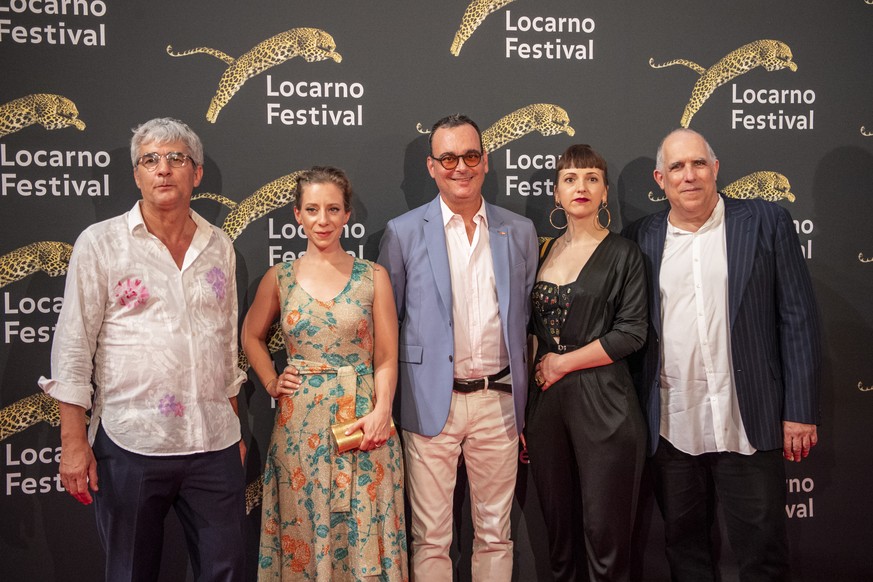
<point>774,324</point>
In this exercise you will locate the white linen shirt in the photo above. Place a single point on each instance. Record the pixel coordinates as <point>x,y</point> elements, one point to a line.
<point>159,342</point>
<point>478,333</point>
<point>699,408</point>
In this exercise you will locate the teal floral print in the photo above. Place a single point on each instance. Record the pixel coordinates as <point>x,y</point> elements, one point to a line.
<point>327,516</point>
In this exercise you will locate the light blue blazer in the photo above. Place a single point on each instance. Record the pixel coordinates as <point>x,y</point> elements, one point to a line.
<point>413,250</point>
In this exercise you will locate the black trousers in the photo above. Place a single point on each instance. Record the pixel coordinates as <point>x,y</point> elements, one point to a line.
<point>586,446</point>
<point>751,492</point>
<point>136,493</point>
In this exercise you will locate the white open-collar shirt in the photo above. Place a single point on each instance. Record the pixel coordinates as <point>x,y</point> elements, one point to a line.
<point>153,348</point>
<point>478,333</point>
<point>699,408</point>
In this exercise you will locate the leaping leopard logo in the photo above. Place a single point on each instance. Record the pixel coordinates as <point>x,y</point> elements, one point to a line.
<point>475,13</point>
<point>28,411</point>
<point>770,186</point>
<point>50,257</point>
<point>864,131</point>
<point>49,110</point>
<point>266,199</point>
<point>861,386</point>
<point>864,259</point>
<point>773,55</point>
<point>310,43</point>
<point>542,117</point>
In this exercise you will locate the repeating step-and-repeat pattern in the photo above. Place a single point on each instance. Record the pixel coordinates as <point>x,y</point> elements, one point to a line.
<point>783,90</point>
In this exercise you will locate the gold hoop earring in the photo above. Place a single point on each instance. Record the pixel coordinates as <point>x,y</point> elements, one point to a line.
<point>597,221</point>
<point>551,220</point>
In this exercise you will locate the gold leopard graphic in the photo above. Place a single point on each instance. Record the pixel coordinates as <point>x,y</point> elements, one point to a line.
<point>770,186</point>
<point>254,494</point>
<point>50,257</point>
<point>49,110</point>
<point>770,54</point>
<point>310,43</point>
<point>864,131</point>
<point>542,117</point>
<point>267,198</point>
<point>28,411</point>
<point>861,386</point>
<point>475,13</point>
<point>275,344</point>
<point>864,259</point>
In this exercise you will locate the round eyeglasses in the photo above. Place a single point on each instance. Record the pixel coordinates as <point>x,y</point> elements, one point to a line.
<point>151,160</point>
<point>450,161</point>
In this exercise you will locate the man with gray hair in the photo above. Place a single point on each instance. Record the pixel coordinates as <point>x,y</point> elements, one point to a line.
<point>147,340</point>
<point>731,370</point>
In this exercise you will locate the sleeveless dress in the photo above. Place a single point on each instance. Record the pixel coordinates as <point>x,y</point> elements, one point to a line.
<point>328,516</point>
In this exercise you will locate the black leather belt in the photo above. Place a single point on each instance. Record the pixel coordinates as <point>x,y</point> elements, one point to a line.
<point>468,386</point>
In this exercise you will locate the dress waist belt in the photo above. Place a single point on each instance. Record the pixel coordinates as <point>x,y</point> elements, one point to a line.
<point>347,379</point>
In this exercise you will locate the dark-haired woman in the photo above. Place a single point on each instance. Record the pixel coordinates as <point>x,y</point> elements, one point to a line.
<point>585,430</point>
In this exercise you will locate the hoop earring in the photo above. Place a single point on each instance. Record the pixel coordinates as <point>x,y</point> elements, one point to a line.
<point>552,222</point>
<point>597,223</point>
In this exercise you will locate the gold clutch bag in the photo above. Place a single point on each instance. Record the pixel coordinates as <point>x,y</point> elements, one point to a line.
<point>346,442</point>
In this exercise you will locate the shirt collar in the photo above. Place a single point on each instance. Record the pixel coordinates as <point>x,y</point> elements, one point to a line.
<point>715,220</point>
<point>480,215</point>
<point>135,222</point>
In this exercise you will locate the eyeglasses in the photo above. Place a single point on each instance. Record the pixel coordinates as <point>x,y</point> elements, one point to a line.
<point>175,159</point>
<point>450,161</point>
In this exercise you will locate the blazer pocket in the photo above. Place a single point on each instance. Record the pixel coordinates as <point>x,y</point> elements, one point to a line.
<point>410,354</point>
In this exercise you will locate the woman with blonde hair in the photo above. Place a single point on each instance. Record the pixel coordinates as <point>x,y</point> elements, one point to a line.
<point>329,515</point>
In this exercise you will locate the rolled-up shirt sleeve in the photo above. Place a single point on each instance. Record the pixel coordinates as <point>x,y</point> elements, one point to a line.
<point>78,327</point>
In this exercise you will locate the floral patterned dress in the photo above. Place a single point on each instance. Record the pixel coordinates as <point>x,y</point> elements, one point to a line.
<point>328,516</point>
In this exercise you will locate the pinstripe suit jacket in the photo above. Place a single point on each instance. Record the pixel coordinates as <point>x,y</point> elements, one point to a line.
<point>774,325</point>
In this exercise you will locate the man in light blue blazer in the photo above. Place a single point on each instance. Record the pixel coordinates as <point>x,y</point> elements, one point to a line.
<point>462,271</point>
<point>730,376</point>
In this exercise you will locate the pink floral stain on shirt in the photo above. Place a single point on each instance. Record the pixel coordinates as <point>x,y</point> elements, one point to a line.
<point>169,406</point>
<point>218,280</point>
<point>131,293</point>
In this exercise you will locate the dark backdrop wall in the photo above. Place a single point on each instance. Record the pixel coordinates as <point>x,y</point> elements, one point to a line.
<point>784,88</point>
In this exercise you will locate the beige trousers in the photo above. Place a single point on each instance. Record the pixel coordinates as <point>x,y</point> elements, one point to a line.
<point>481,425</point>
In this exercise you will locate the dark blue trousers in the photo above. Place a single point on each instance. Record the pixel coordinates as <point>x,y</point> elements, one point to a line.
<point>136,493</point>
<point>751,492</point>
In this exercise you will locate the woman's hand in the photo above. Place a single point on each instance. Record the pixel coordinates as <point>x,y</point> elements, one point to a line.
<point>376,426</point>
<point>549,370</point>
<point>286,383</point>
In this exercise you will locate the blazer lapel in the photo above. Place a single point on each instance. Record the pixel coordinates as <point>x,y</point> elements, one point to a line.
<point>652,244</point>
<point>740,228</point>
<point>435,239</point>
<point>498,235</point>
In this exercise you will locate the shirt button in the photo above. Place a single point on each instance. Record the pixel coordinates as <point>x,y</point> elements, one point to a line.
<point>451,359</point>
